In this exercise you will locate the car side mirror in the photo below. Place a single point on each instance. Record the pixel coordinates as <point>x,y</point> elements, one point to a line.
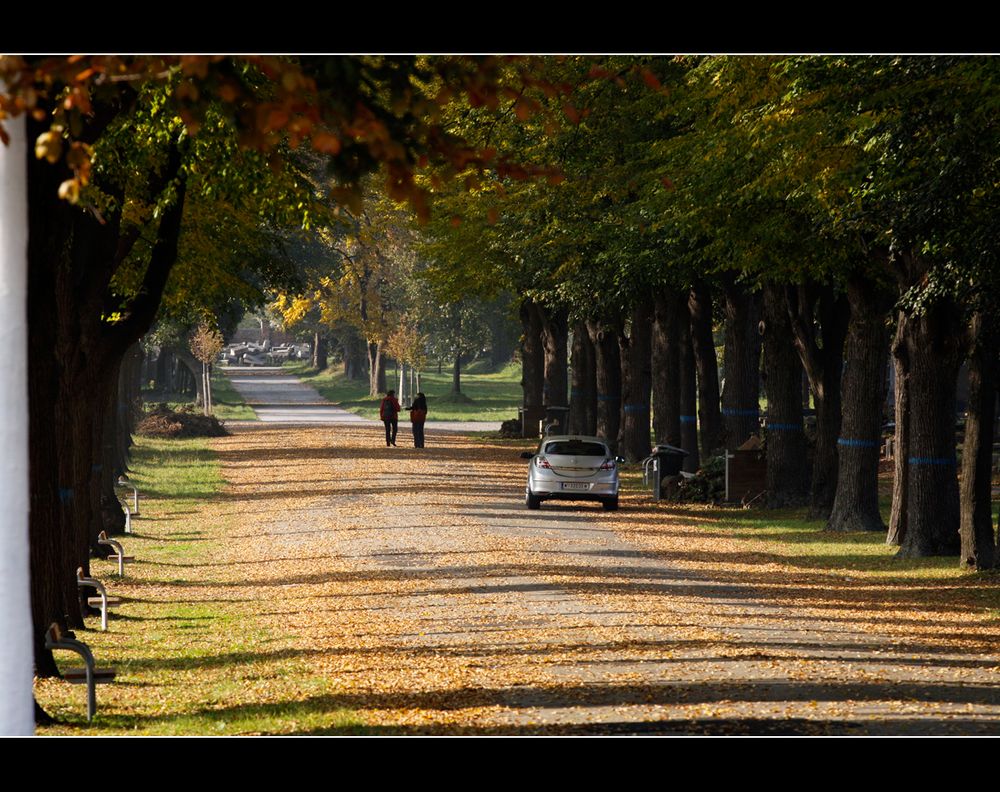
<point>620,460</point>
<point>526,455</point>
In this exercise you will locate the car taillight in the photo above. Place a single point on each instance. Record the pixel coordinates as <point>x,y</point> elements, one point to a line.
<point>542,462</point>
<point>608,464</point>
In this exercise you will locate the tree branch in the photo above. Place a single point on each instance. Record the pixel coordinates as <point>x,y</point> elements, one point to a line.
<point>142,310</point>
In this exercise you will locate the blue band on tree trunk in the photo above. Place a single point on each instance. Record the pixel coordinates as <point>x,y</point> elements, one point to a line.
<point>845,441</point>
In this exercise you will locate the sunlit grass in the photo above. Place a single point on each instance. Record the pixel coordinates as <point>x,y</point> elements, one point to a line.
<point>187,665</point>
<point>181,471</point>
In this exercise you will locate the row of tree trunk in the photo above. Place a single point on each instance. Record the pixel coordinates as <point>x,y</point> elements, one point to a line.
<point>83,376</point>
<point>656,367</point>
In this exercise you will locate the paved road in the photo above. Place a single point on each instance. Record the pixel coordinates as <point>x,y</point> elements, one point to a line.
<point>278,397</point>
<point>433,600</point>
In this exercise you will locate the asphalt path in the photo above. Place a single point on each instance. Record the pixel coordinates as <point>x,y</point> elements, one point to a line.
<point>434,602</point>
<point>279,397</point>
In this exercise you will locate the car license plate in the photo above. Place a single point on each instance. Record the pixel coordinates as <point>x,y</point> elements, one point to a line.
<point>572,485</point>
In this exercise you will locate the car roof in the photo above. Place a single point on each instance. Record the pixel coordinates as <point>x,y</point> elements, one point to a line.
<point>582,438</point>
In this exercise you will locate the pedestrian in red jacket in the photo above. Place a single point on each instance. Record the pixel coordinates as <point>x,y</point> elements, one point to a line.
<point>418,414</point>
<point>389,413</point>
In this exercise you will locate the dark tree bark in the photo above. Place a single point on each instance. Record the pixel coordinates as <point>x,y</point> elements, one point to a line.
<point>637,383</point>
<point>689,395</point>
<point>320,356</point>
<point>184,378</point>
<point>855,507</point>
<point>901,439</point>
<point>583,388</point>
<point>976,523</point>
<point>741,390</point>
<point>787,472</point>
<point>107,514</point>
<point>822,355</point>
<point>354,355</point>
<point>555,340</point>
<point>934,352</point>
<point>193,367</point>
<point>608,374</point>
<point>50,221</point>
<point>532,357</point>
<point>164,370</point>
<point>590,388</point>
<point>707,363</point>
<point>76,356</point>
<point>667,319</point>
<point>456,374</point>
<point>503,341</point>
<point>376,369</point>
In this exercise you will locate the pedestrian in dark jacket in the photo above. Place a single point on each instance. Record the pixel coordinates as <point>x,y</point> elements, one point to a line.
<point>418,414</point>
<point>389,413</point>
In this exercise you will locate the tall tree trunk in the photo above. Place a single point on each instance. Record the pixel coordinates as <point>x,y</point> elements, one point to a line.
<point>165,370</point>
<point>354,356</point>
<point>73,259</point>
<point>667,319</point>
<point>855,507</point>
<point>532,357</point>
<point>976,525</point>
<point>934,351</point>
<point>637,382</point>
<point>320,356</point>
<point>787,473</point>
<point>689,395</point>
<point>50,221</point>
<point>741,390</point>
<point>16,708</point>
<point>194,369</point>
<point>456,374</point>
<point>608,375</point>
<point>130,405</point>
<point>112,465</point>
<point>583,388</point>
<point>822,357</point>
<point>555,340</point>
<point>503,341</point>
<point>376,369</point>
<point>707,363</point>
<point>901,439</point>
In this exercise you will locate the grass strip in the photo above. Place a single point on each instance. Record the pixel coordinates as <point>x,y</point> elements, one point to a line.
<point>494,396</point>
<point>191,653</point>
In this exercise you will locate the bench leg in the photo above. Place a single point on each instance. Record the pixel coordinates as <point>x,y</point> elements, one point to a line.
<point>91,695</point>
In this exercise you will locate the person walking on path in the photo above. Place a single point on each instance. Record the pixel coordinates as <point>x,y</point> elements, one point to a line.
<point>389,413</point>
<point>418,414</point>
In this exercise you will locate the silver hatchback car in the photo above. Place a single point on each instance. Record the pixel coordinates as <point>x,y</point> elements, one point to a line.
<point>572,467</point>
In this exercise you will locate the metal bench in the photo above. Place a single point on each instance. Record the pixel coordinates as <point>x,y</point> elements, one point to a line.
<point>89,674</point>
<point>118,555</point>
<point>102,599</point>
<point>124,482</point>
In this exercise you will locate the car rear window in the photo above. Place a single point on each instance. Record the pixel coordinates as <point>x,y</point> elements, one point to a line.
<point>575,448</point>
